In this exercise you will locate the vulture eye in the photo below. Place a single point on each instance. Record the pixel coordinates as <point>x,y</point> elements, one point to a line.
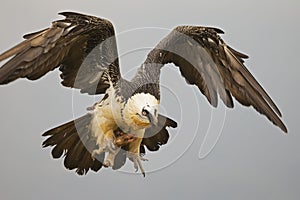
<point>145,112</point>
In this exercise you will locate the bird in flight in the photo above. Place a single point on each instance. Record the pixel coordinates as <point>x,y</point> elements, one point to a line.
<point>126,121</point>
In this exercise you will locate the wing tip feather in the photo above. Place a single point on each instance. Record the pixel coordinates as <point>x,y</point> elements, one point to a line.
<point>283,128</point>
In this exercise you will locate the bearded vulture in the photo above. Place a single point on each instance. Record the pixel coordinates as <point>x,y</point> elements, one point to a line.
<point>126,121</point>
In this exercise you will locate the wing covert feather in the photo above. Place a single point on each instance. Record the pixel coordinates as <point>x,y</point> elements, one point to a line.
<point>206,61</point>
<point>83,47</point>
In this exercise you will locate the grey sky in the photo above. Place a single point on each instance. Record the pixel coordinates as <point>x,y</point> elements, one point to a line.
<point>252,160</point>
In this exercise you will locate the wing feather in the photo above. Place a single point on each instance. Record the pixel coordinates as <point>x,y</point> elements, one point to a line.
<point>77,44</point>
<point>206,61</point>
<point>234,62</point>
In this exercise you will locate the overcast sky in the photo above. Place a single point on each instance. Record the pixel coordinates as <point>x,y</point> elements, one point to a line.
<point>252,160</point>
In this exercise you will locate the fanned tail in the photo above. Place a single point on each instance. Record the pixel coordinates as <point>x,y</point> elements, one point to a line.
<point>75,141</point>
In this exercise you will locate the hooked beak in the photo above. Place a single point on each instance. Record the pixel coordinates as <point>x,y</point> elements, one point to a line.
<point>152,115</point>
<point>153,119</point>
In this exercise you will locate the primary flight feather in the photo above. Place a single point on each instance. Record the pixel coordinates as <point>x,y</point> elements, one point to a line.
<point>126,120</point>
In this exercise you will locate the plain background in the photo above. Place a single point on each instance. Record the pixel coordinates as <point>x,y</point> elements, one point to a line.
<point>252,160</point>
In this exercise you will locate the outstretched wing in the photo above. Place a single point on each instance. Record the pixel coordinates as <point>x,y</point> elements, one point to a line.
<point>82,46</point>
<point>206,61</point>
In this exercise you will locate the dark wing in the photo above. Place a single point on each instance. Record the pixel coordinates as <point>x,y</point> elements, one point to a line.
<point>206,61</point>
<point>82,46</point>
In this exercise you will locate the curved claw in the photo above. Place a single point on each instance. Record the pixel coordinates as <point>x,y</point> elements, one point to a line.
<point>107,163</point>
<point>137,164</point>
<point>141,167</point>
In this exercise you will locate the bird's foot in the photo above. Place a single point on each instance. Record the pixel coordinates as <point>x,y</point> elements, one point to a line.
<point>137,161</point>
<point>110,158</point>
<point>96,152</point>
<point>106,145</point>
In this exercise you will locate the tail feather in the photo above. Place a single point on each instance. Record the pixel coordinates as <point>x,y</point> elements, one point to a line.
<point>64,145</point>
<point>75,155</point>
<point>75,141</point>
<point>97,163</point>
